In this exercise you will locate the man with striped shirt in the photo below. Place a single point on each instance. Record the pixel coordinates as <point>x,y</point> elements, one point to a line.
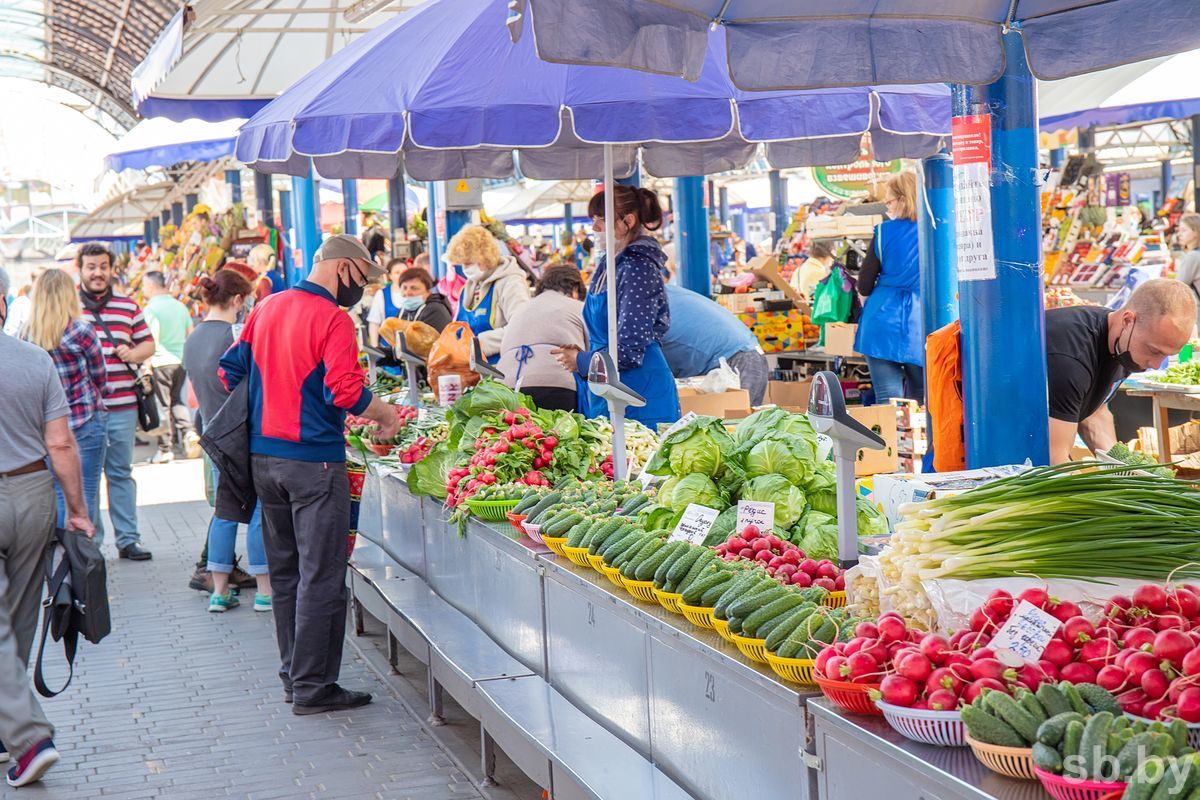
<point>127,342</point>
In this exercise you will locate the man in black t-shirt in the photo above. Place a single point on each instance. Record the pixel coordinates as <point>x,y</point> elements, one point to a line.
<point>1090,350</point>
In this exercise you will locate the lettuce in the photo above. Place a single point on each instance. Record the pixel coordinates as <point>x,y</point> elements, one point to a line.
<point>789,501</point>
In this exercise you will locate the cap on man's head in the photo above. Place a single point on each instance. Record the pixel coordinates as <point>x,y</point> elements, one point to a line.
<point>344,245</point>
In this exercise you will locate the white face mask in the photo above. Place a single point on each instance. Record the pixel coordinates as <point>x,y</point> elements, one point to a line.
<point>472,271</point>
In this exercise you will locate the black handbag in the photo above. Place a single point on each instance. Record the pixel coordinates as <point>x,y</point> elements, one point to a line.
<point>143,387</point>
<point>76,600</point>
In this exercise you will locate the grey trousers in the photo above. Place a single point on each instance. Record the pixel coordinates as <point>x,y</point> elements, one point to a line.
<point>27,517</point>
<point>306,523</point>
<point>753,372</point>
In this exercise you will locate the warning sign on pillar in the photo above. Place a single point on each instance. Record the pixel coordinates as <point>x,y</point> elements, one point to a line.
<point>972,143</point>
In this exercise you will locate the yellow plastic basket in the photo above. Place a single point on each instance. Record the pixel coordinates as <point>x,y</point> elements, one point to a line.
<point>796,670</point>
<point>596,562</point>
<point>669,600</point>
<point>642,591</point>
<point>700,616</point>
<point>721,626</point>
<point>578,555</point>
<point>614,575</point>
<point>752,649</point>
<point>835,600</point>
<point>556,544</point>
<point>1012,762</point>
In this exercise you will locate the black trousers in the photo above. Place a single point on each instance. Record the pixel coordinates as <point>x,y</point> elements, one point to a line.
<point>553,397</point>
<point>306,525</point>
<point>169,382</point>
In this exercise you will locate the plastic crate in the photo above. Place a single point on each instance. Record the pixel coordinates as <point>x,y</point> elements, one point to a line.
<point>834,600</point>
<point>1060,787</point>
<point>1011,762</point>
<point>614,575</point>
<point>796,670</point>
<point>669,600</point>
<point>852,697</point>
<point>578,555</point>
<point>751,648</point>
<point>492,510</point>
<point>941,728</point>
<point>642,591</point>
<point>700,616</point>
<point>556,544</point>
<point>533,531</point>
<point>596,562</point>
<point>515,520</point>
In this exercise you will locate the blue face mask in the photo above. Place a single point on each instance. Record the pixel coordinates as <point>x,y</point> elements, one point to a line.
<point>411,303</point>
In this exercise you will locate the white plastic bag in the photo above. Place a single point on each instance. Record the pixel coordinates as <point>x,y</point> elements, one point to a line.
<point>722,379</point>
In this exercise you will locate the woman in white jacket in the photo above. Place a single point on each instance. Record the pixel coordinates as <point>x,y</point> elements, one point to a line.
<point>496,286</point>
<point>552,319</point>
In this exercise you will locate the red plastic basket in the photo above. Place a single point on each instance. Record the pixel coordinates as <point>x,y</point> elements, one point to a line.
<point>1060,787</point>
<point>515,520</point>
<point>853,697</point>
<point>941,728</point>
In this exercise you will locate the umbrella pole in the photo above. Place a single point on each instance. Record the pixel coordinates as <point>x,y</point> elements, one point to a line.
<point>620,465</point>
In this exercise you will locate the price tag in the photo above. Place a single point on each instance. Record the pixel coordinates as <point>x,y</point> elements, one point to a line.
<point>1024,637</point>
<point>694,525</point>
<point>753,512</point>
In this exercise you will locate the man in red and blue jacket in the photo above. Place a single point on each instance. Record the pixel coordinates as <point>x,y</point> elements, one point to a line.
<point>299,354</point>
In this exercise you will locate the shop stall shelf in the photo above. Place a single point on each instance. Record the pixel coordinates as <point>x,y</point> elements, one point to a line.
<point>402,517</point>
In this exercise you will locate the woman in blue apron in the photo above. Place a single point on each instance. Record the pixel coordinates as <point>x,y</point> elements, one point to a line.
<point>890,331</point>
<point>496,287</point>
<point>643,315</point>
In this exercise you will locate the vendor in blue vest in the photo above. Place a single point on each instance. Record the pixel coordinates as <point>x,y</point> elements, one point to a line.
<point>643,314</point>
<point>703,332</point>
<point>890,330</point>
<point>496,286</point>
<point>408,295</point>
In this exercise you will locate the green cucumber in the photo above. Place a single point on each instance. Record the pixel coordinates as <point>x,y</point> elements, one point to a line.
<point>767,628</point>
<point>680,568</point>
<point>1072,738</point>
<point>1052,731</point>
<point>714,592</point>
<point>1094,743</point>
<point>579,530</point>
<point>1098,698</point>
<point>1027,701</point>
<point>735,624</point>
<point>660,574</point>
<point>560,525</point>
<point>612,549</point>
<point>1007,709</point>
<point>693,594</point>
<point>1145,780</point>
<point>1179,732</point>
<point>988,729</point>
<point>706,571</point>
<point>647,569</point>
<point>1047,758</point>
<point>785,628</point>
<point>1053,700</point>
<point>744,606</point>
<point>1074,698</point>
<point>528,501</point>
<point>634,555</point>
<point>777,607</point>
<point>547,500</point>
<point>706,557</point>
<point>1131,751</point>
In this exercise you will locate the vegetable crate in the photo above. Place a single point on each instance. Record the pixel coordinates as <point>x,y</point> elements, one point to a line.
<point>578,555</point>
<point>796,670</point>
<point>721,626</point>
<point>941,728</point>
<point>669,600</point>
<point>853,697</point>
<point>492,510</point>
<point>1060,787</point>
<point>614,575</point>
<point>515,520</point>
<point>556,544</point>
<point>835,599</point>
<point>642,591</point>
<point>1011,762</point>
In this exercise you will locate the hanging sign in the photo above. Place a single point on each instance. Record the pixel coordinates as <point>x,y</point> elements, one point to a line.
<point>854,180</point>
<point>972,142</point>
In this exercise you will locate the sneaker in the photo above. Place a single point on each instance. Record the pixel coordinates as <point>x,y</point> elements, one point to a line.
<point>33,765</point>
<point>220,603</point>
<point>334,699</point>
<point>162,457</point>
<point>191,445</point>
<point>262,602</point>
<point>3,753</point>
<point>201,580</point>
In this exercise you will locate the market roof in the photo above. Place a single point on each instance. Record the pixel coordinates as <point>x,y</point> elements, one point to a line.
<point>87,47</point>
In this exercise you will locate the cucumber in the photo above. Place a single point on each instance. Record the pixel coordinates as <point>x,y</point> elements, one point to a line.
<point>538,508</point>
<point>1054,701</point>
<point>579,530</point>
<point>988,729</point>
<point>560,525</point>
<point>775,608</point>
<point>1074,698</point>
<point>735,625</point>
<point>1094,743</point>
<point>693,594</point>
<point>1145,780</point>
<point>741,584</point>
<point>1072,738</point>
<point>801,635</point>
<point>825,635</point>
<point>1007,709</point>
<point>714,592</point>
<point>528,501</point>
<point>612,537</point>
<point>647,569</point>
<point>1127,759</point>
<point>1179,732</point>
<point>784,629</point>
<point>1162,745</point>
<point>613,549</point>
<point>1120,725</point>
<point>1027,701</point>
<point>706,571</point>
<point>631,507</point>
<point>1052,731</point>
<point>1098,698</point>
<point>660,574</point>
<point>557,515</point>
<point>681,567</point>
<point>1047,758</point>
<point>768,627</point>
<point>706,557</point>
<point>629,560</point>
<point>744,606</point>
<point>601,534</point>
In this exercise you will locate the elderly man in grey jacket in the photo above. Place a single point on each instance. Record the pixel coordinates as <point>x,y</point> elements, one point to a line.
<point>35,413</point>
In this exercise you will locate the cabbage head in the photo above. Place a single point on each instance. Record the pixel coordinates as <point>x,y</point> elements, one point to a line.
<point>824,501</point>
<point>695,488</point>
<point>793,458</point>
<point>665,488</point>
<point>700,446</point>
<point>789,501</point>
<point>822,479</point>
<point>871,521</point>
<point>819,538</point>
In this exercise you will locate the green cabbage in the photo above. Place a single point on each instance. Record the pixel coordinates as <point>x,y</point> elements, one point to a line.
<point>823,501</point>
<point>871,521</point>
<point>755,426</point>
<point>819,536</point>
<point>789,501</point>
<point>695,488</point>
<point>793,458</point>
<point>822,479</point>
<point>664,491</point>
<point>700,446</point>
<point>428,477</point>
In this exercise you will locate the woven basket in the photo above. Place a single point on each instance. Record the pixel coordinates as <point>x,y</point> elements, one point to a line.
<point>941,728</point>
<point>834,599</point>
<point>852,697</point>
<point>1011,762</point>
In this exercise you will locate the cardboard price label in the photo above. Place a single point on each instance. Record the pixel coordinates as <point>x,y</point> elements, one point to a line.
<point>761,514</point>
<point>694,525</point>
<point>1024,637</point>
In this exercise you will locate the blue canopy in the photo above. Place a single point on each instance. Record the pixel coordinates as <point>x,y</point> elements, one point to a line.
<point>162,142</point>
<point>794,44</point>
<point>461,97</point>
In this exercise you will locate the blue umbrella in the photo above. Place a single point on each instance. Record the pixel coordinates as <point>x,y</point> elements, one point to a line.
<point>774,44</point>
<point>460,98</point>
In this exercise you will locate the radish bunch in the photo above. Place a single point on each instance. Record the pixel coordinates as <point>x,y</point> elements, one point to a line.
<point>518,453</point>
<point>867,657</point>
<point>783,560</point>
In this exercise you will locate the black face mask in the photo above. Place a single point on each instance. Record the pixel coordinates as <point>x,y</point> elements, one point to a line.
<point>1123,357</point>
<point>348,294</point>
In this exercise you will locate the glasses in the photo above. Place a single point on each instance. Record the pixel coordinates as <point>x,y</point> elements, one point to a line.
<point>889,200</point>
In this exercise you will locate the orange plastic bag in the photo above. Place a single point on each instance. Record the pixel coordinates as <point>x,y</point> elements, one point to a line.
<point>451,355</point>
<point>943,379</point>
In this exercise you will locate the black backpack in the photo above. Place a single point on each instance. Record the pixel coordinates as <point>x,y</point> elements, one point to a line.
<point>76,600</point>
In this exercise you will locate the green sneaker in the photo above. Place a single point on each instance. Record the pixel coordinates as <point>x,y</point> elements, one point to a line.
<point>220,603</point>
<point>262,602</point>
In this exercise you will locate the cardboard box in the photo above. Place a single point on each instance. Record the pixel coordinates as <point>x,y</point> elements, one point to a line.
<point>716,404</point>
<point>909,415</point>
<point>839,339</point>
<point>739,303</point>
<point>890,492</point>
<point>789,394</point>
<point>767,268</point>
<point>776,331</point>
<point>911,443</point>
<point>881,420</point>
<point>910,464</point>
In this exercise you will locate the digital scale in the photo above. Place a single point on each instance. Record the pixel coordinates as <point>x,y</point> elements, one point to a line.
<point>411,362</point>
<point>604,382</point>
<point>480,366</point>
<point>827,414</point>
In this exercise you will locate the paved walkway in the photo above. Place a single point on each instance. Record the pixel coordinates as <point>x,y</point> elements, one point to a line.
<point>178,703</point>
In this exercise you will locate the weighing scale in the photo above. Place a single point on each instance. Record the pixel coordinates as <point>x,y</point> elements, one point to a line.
<point>411,362</point>
<point>828,415</point>
<point>605,383</point>
<point>374,356</point>
<point>480,366</point>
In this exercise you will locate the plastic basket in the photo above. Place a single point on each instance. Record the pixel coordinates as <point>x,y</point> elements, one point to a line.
<point>492,510</point>
<point>596,561</point>
<point>614,575</point>
<point>642,591</point>
<point>556,544</point>
<point>1193,730</point>
<point>850,696</point>
<point>1060,787</point>
<point>669,600</point>
<point>578,555</point>
<point>796,670</point>
<point>752,649</point>
<point>533,531</point>
<point>515,520</point>
<point>1011,762</point>
<point>700,616</point>
<point>721,626</point>
<point>941,728</point>
<point>834,599</point>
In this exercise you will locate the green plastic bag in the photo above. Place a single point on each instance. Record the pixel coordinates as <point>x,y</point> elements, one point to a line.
<point>831,302</point>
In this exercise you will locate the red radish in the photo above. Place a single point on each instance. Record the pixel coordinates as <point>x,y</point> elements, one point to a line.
<point>1064,611</point>
<point>1078,630</point>
<point>973,641</point>
<point>942,700</point>
<point>801,579</point>
<point>809,567</point>
<point>876,650</point>
<point>1154,708</point>
<point>746,552</point>
<point>920,705</point>
<point>1184,602</point>
<point>763,555</point>
<point>792,557</point>
<point>758,545</point>
<point>1170,621</point>
<point>893,649</point>
<point>1117,606</point>
<point>823,658</point>
<point>914,666</point>
<point>1038,597</point>
<point>855,644</point>
<point>860,668</point>
<point>1172,646</point>
<point>891,627</point>
<point>1134,702</point>
<point>834,667</point>
<point>825,583</point>
<point>1113,678</point>
<point>1032,676</point>
<point>956,638</point>
<point>1151,597</point>
<point>826,569</point>
<point>736,543</point>
<point>898,690</point>
<point>1187,708</point>
<point>975,688</point>
<point>751,531</point>
<point>983,652</point>
<point>1154,683</point>
<point>839,583</point>
<point>1050,671</point>
<point>1191,662</point>
<point>774,541</point>
<point>787,569</point>
<point>1137,663</point>
<point>1077,673</point>
<point>983,619</point>
<point>935,648</point>
<point>992,668</point>
<point>1098,652</point>
<point>1000,604</point>
<point>943,678</point>
<point>1059,653</point>
<point>1139,638</point>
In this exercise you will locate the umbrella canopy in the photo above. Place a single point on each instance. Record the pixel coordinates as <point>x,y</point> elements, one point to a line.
<point>786,44</point>
<point>162,142</point>
<point>438,125</point>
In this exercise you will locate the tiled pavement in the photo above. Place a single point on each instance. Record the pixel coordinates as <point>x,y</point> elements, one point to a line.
<point>178,703</point>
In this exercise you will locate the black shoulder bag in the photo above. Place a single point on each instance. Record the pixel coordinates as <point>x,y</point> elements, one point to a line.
<point>76,600</point>
<point>147,406</point>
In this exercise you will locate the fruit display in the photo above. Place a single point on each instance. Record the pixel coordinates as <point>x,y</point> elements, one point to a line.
<point>783,560</point>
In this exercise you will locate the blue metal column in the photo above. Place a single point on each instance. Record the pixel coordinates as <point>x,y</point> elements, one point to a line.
<point>738,222</point>
<point>1196,159</point>
<point>935,214</point>
<point>1167,179</point>
<point>307,223</point>
<point>779,205</point>
<point>350,207</point>
<point>165,217</point>
<point>723,205</point>
<point>233,179</point>
<point>569,218</point>
<point>398,212</point>
<point>692,235</point>
<point>263,199</point>
<point>177,214</point>
<point>1003,342</point>
<point>148,231</point>
<point>288,234</point>
<point>436,247</point>
<point>634,180</point>
<point>1058,157</point>
<point>190,201</point>
<point>155,227</point>
<point>1087,139</point>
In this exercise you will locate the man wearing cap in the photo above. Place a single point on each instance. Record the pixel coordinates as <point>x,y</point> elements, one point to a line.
<point>299,354</point>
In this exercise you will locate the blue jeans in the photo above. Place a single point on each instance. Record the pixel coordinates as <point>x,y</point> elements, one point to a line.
<point>91,441</point>
<point>889,378</point>
<point>222,536</point>
<point>119,427</point>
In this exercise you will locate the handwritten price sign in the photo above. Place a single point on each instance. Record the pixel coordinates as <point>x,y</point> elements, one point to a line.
<point>753,512</point>
<point>694,525</point>
<point>1024,637</point>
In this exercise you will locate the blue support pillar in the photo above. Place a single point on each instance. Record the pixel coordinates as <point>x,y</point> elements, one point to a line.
<point>692,235</point>
<point>939,280</point>
<point>177,214</point>
<point>738,222</point>
<point>455,220</point>
<point>1195,161</point>
<point>165,218</point>
<point>190,201</point>
<point>569,218</point>
<point>633,180</point>
<point>233,179</point>
<point>350,207</point>
<point>437,242</point>
<point>155,226</point>
<point>779,205</point>
<point>288,233</point>
<point>148,231</point>
<point>306,220</point>
<point>264,202</point>
<point>723,205</point>
<point>1003,340</point>
<point>1058,157</point>
<point>1167,178</point>
<point>398,212</point>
